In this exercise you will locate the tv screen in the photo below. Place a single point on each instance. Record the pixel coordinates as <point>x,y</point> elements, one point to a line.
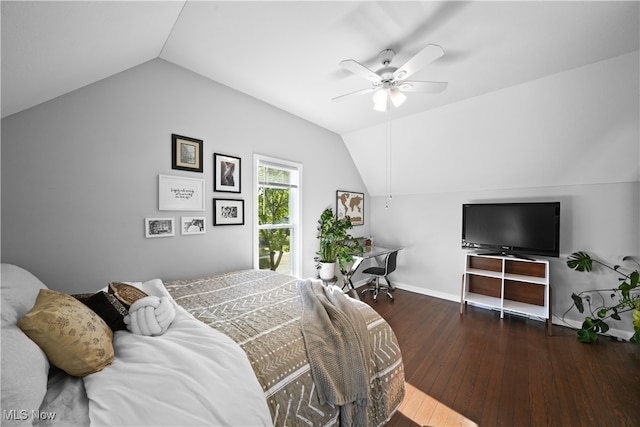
<point>512,228</point>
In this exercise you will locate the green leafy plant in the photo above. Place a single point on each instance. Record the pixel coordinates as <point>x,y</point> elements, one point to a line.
<point>336,244</point>
<point>624,298</point>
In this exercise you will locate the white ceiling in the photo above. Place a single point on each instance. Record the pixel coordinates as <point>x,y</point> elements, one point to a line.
<point>286,53</point>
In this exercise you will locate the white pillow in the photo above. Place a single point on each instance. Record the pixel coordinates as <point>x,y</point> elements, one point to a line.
<point>25,367</point>
<point>20,289</point>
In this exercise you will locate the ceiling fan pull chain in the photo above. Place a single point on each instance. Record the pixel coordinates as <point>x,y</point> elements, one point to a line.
<point>389,196</point>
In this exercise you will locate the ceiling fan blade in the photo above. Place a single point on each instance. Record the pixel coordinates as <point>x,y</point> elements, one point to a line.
<point>426,56</point>
<point>358,92</point>
<point>357,68</point>
<point>428,87</point>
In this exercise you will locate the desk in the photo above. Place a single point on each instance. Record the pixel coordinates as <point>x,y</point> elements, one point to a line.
<point>358,258</point>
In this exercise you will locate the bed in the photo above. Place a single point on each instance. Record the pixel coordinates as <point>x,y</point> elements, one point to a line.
<point>233,355</point>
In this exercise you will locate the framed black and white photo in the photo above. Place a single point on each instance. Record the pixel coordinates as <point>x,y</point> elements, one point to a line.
<point>186,153</point>
<point>159,227</point>
<point>350,203</point>
<point>177,193</point>
<point>192,225</point>
<point>228,212</point>
<point>226,173</point>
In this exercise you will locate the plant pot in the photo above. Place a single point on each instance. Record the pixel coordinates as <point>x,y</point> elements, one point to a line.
<point>327,270</point>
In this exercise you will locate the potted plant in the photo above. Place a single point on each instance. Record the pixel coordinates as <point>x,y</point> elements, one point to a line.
<point>336,244</point>
<point>625,297</point>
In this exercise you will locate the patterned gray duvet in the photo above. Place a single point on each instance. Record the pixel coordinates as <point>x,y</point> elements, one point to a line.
<point>261,311</point>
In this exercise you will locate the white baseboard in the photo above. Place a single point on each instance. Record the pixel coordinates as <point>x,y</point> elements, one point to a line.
<point>574,324</point>
<point>427,292</point>
<point>417,290</point>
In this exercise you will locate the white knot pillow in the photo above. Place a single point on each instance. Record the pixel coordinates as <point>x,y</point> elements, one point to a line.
<point>150,315</point>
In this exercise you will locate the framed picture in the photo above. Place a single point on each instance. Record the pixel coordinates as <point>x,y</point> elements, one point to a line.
<point>226,173</point>
<point>352,204</point>
<point>192,225</point>
<point>186,153</point>
<point>158,227</point>
<point>228,212</point>
<point>176,193</point>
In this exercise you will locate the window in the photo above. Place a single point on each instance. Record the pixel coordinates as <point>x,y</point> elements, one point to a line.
<point>277,217</point>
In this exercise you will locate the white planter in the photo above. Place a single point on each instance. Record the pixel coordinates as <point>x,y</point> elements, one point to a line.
<point>327,270</point>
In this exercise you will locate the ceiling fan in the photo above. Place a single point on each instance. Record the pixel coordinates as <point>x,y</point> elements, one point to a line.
<point>389,82</point>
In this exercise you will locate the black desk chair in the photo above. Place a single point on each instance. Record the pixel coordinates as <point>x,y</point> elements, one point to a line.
<point>389,267</point>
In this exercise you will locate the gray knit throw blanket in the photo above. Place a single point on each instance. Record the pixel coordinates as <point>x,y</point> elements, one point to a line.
<point>337,342</point>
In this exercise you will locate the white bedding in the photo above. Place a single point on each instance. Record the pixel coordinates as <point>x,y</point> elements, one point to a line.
<point>190,375</point>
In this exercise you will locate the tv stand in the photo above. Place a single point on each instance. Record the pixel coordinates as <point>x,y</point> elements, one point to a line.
<point>507,284</point>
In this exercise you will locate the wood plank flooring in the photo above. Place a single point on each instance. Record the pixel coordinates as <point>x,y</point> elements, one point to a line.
<point>478,369</point>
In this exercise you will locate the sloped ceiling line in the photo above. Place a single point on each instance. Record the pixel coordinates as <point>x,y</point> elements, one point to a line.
<point>164,45</point>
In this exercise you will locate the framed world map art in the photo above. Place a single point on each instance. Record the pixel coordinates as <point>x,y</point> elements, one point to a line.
<point>352,204</point>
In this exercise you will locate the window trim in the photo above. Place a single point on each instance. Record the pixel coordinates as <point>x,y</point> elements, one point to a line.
<point>295,225</point>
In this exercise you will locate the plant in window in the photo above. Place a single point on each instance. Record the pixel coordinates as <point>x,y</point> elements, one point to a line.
<point>623,298</point>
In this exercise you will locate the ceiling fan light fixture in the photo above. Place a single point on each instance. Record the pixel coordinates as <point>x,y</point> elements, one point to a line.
<point>397,97</point>
<point>380,100</point>
<point>379,106</point>
<point>388,82</point>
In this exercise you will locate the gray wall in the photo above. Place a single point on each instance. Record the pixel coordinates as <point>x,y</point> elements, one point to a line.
<point>585,121</point>
<point>80,174</point>
<point>602,219</point>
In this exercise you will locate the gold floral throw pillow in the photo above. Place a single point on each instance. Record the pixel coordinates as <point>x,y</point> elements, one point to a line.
<point>73,337</point>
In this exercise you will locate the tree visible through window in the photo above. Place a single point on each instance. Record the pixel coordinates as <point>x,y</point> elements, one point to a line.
<point>277,215</point>
<point>273,208</point>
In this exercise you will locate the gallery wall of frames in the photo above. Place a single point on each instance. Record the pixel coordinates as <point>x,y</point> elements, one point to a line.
<point>187,193</point>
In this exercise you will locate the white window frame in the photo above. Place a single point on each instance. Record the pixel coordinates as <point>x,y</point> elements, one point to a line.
<point>295,210</point>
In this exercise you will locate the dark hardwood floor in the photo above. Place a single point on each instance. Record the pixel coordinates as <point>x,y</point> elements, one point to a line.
<point>509,372</point>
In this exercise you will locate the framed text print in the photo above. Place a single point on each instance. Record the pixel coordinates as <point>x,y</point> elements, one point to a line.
<point>176,193</point>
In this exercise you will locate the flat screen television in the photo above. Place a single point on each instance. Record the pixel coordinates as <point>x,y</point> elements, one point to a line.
<point>513,229</point>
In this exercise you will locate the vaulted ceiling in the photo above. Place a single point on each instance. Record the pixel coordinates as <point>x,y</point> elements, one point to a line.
<point>286,53</point>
